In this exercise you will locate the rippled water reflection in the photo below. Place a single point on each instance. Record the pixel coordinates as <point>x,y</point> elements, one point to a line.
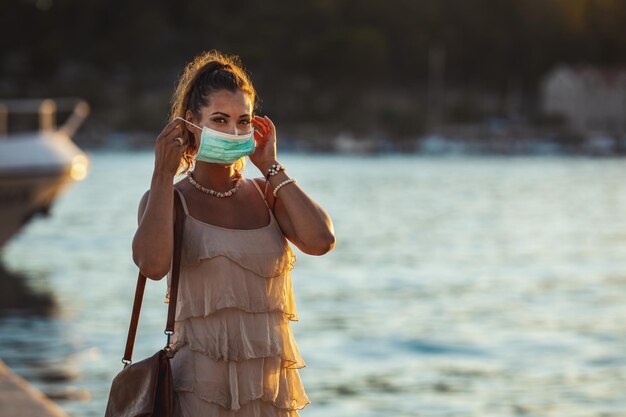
<point>458,286</point>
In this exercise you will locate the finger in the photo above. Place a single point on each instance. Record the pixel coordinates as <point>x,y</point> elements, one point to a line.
<point>256,124</point>
<point>172,125</point>
<point>264,128</point>
<point>270,126</point>
<point>260,120</point>
<point>260,135</point>
<point>173,134</point>
<point>173,143</point>
<point>270,123</point>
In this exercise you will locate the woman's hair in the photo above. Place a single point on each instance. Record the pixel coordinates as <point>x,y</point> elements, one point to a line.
<point>208,72</point>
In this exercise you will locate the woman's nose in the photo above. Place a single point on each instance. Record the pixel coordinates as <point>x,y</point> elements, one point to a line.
<point>242,130</point>
<point>232,129</point>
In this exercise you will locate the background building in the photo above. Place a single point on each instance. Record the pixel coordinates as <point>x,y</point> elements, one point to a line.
<point>588,98</point>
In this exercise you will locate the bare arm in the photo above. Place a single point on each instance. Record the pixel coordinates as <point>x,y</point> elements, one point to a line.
<point>302,220</point>
<point>153,242</point>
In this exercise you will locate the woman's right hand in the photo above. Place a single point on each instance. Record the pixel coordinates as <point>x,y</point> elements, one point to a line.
<point>168,150</point>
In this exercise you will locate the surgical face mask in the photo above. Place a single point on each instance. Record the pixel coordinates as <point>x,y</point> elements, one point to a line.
<point>223,148</point>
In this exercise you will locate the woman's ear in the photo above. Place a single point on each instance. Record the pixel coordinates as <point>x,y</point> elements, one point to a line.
<point>189,116</point>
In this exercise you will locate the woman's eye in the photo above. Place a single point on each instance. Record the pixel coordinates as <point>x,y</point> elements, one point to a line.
<point>244,122</point>
<point>219,120</point>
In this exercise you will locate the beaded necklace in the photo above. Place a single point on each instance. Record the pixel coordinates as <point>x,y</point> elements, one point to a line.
<point>213,192</point>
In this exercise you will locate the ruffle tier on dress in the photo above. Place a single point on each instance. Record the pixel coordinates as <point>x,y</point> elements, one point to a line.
<point>235,352</point>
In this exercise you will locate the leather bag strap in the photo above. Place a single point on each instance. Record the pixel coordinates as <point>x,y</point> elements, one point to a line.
<point>141,285</point>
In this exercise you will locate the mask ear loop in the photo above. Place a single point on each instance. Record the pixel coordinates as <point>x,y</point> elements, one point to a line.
<point>187,121</point>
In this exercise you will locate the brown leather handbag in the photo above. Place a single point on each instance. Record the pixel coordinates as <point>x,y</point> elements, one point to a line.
<point>145,388</point>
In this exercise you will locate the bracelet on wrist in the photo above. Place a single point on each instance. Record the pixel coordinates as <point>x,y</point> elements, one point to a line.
<point>281,184</point>
<point>274,169</point>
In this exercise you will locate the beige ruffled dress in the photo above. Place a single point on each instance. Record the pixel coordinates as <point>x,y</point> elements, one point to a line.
<point>235,353</point>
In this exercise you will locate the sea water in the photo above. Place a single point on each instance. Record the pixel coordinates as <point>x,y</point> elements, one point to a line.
<point>458,286</point>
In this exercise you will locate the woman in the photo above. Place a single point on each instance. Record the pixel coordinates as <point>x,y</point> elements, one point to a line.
<point>235,354</point>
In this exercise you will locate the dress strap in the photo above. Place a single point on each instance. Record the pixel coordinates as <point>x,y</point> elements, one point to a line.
<point>182,199</point>
<point>260,192</point>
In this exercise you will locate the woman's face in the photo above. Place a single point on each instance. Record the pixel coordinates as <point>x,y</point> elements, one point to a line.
<point>227,112</point>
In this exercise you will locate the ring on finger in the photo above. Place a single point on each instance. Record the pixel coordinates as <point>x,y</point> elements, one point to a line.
<point>179,140</point>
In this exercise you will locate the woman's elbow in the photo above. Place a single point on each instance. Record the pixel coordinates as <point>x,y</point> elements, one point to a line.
<point>156,276</point>
<point>153,274</point>
<point>324,245</point>
<point>149,269</point>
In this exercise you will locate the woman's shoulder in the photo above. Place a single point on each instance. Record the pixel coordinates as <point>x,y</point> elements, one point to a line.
<point>180,186</point>
<point>144,198</point>
<point>262,183</point>
<point>143,202</point>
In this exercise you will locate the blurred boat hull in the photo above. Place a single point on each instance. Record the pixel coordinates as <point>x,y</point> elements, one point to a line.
<point>35,168</point>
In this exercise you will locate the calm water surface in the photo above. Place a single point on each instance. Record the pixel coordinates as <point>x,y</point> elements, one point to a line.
<point>466,286</point>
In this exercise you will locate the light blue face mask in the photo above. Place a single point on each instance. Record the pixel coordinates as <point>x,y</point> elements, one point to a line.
<point>223,148</point>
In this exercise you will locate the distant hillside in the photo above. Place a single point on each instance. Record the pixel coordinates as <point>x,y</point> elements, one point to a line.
<point>330,65</point>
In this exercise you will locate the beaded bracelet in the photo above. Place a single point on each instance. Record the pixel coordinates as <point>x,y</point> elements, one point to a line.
<point>273,170</point>
<point>281,184</point>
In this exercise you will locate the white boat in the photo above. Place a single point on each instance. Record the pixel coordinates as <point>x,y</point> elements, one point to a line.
<point>37,166</point>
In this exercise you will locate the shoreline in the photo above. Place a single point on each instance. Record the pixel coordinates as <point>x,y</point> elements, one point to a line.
<point>493,137</point>
<point>20,399</point>
<point>432,144</point>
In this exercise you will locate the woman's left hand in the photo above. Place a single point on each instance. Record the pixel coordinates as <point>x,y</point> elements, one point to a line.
<point>265,136</point>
